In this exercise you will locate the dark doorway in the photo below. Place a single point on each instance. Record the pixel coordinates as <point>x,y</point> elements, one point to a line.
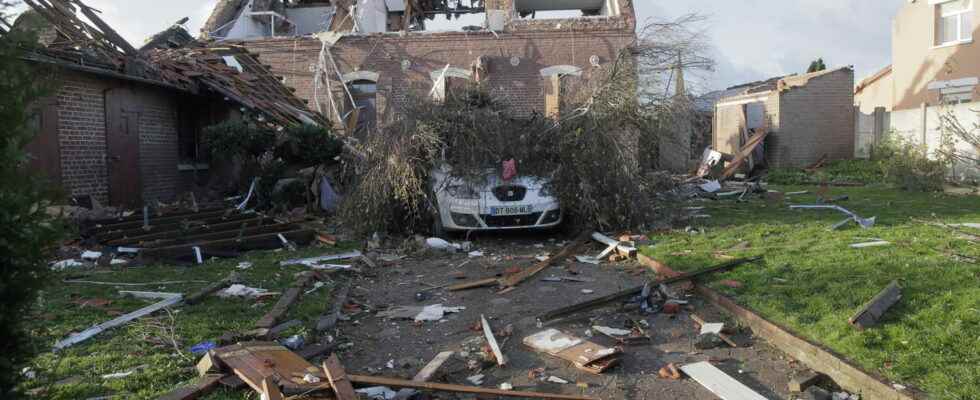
<point>122,148</point>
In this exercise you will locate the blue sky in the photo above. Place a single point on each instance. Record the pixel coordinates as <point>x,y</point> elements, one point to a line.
<point>751,39</point>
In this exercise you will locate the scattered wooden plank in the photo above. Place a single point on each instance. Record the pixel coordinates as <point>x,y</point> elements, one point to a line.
<point>227,234</point>
<point>516,278</point>
<point>208,364</point>
<point>255,361</point>
<point>443,387</point>
<point>257,242</point>
<point>329,320</point>
<point>719,383</point>
<point>583,354</point>
<point>473,284</point>
<point>163,220</point>
<point>285,301</point>
<point>743,153</point>
<point>848,376</point>
<point>270,390</point>
<point>425,374</point>
<point>338,379</point>
<point>804,380</point>
<point>203,386</point>
<point>492,341</point>
<point>233,226</point>
<point>231,279</point>
<point>602,301</point>
<point>868,315</point>
<point>622,249</point>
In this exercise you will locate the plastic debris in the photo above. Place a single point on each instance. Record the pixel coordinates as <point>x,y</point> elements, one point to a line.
<point>294,342</point>
<point>476,379</point>
<point>203,347</point>
<point>877,243</point>
<point>91,255</point>
<point>555,379</point>
<point>587,260</point>
<point>612,331</point>
<point>310,378</point>
<point>239,290</point>
<point>475,254</point>
<point>244,265</point>
<point>66,264</point>
<point>506,386</point>
<point>711,186</point>
<point>712,328</point>
<point>377,393</point>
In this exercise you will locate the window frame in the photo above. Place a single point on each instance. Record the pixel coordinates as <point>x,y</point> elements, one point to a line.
<point>962,36</point>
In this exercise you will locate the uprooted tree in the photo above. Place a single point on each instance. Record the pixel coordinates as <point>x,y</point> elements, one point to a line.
<point>588,153</point>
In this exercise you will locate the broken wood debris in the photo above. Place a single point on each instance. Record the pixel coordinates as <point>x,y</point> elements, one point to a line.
<point>329,320</point>
<point>312,261</point>
<point>492,342</point>
<point>723,336</point>
<point>231,279</point>
<point>583,354</point>
<point>510,281</point>
<point>271,369</point>
<point>288,298</point>
<point>338,379</point>
<point>425,374</point>
<point>613,245</point>
<point>602,301</point>
<point>376,380</point>
<point>869,314</point>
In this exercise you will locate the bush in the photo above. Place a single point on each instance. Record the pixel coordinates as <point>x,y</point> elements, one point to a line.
<point>27,233</point>
<point>269,155</point>
<point>908,165</point>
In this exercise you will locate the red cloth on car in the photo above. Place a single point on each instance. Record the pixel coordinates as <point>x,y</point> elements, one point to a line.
<point>510,169</point>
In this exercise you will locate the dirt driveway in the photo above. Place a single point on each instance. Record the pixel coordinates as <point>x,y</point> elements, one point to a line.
<point>401,347</point>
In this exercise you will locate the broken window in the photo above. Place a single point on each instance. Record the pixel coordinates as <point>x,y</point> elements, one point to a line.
<point>450,82</point>
<point>365,110</point>
<point>552,9</point>
<point>955,22</point>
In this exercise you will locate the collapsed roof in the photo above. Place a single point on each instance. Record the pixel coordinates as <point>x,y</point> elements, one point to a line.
<point>169,60</point>
<point>298,17</point>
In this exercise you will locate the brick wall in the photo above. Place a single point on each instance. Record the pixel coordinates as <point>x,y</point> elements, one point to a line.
<point>404,62</point>
<point>82,135</point>
<point>815,119</point>
<point>83,143</point>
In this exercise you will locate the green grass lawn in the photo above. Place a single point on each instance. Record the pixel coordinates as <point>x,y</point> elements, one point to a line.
<point>812,281</point>
<point>136,344</point>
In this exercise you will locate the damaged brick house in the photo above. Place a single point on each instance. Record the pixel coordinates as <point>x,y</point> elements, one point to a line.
<point>808,117</point>
<point>124,124</point>
<point>356,60</point>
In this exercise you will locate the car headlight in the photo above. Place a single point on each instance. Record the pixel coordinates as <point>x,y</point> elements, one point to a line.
<point>463,192</point>
<point>545,191</point>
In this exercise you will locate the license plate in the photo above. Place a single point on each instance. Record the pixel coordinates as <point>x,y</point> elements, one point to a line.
<point>513,210</point>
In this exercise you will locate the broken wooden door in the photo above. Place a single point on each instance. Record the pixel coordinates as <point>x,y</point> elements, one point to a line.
<point>122,149</point>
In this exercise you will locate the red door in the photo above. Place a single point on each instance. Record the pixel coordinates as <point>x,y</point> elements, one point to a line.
<point>122,149</point>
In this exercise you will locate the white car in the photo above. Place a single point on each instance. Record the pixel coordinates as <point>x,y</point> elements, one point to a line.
<point>520,203</point>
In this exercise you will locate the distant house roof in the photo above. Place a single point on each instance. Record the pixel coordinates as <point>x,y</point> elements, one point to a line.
<point>873,78</point>
<point>708,101</point>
